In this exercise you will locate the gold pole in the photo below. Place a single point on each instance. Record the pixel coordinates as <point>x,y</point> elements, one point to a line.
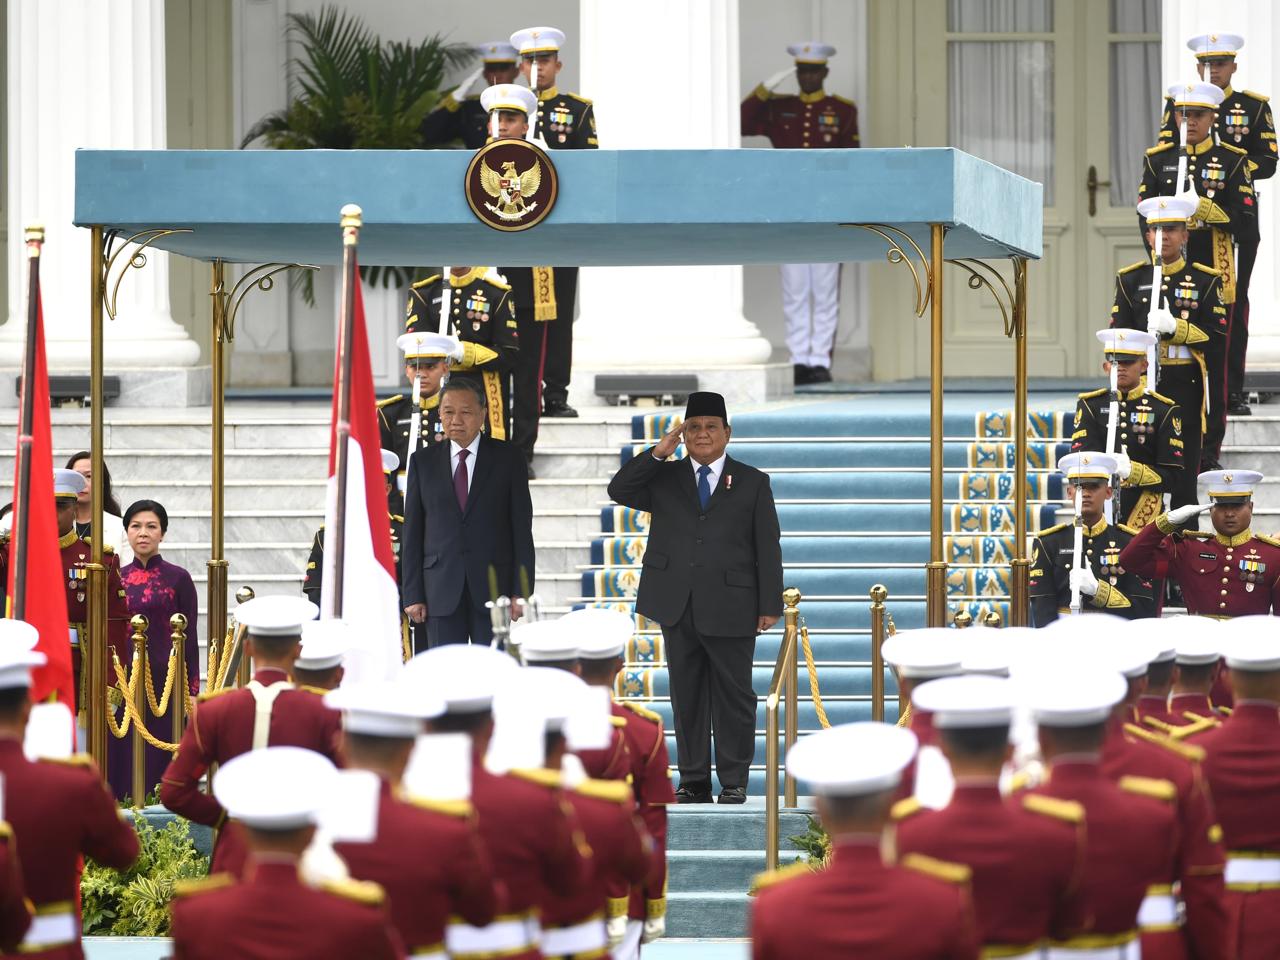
<point>936,571</point>
<point>178,623</point>
<point>963,618</point>
<point>217,566</point>
<point>93,647</point>
<point>1020,588</point>
<point>243,595</point>
<point>771,777</point>
<point>138,680</point>
<point>878,596</point>
<point>993,619</point>
<point>791,620</point>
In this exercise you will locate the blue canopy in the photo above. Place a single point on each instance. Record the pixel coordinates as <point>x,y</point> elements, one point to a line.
<point>616,207</point>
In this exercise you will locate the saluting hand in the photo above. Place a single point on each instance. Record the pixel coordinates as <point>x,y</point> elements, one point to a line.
<point>778,77</point>
<point>667,445</point>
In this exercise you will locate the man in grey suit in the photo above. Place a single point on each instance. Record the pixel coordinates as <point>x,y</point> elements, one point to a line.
<point>712,577</point>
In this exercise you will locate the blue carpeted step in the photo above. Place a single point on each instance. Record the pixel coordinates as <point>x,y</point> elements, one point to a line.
<point>703,827</point>
<point>912,485</point>
<point>700,914</point>
<point>758,756</point>
<point>838,711</point>
<point>910,548</point>
<point>856,615</point>
<point>621,582</point>
<point>973,518</point>
<point>984,454</point>
<point>644,649</point>
<point>715,870</point>
<point>834,681</point>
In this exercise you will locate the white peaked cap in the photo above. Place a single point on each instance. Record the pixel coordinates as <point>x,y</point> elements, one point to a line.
<point>275,788</point>
<point>965,702</point>
<point>277,616</point>
<point>852,759</point>
<point>926,653</point>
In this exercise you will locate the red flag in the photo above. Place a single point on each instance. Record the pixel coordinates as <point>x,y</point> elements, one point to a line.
<point>370,597</point>
<point>46,601</point>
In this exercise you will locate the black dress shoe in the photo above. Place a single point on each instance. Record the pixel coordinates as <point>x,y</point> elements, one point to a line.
<point>1238,406</point>
<point>693,795</point>
<point>558,408</point>
<point>733,795</point>
<point>803,374</point>
<point>819,374</point>
<point>1208,463</point>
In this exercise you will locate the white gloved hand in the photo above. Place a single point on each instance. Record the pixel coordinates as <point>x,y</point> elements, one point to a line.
<point>1183,514</point>
<point>616,928</point>
<point>1124,466</point>
<point>1160,323</point>
<point>461,90</point>
<point>655,928</point>
<point>1190,196</point>
<point>459,353</point>
<point>778,77</point>
<point>1084,581</point>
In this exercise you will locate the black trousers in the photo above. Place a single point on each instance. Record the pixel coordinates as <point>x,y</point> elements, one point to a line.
<point>465,623</point>
<point>1238,342</point>
<point>711,690</point>
<point>559,364</point>
<point>526,388</point>
<point>1182,384</point>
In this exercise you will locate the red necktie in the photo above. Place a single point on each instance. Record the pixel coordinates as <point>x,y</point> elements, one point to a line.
<point>460,480</point>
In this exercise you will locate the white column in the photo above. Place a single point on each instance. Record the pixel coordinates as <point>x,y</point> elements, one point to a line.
<point>1258,70</point>
<point>83,73</point>
<point>660,319</point>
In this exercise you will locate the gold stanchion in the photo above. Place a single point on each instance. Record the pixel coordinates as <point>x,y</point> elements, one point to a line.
<point>963,618</point>
<point>178,623</point>
<point>993,619</point>
<point>243,674</point>
<point>784,667</point>
<point>1020,586</point>
<point>791,620</point>
<point>93,648</point>
<point>216,602</point>
<point>878,596</point>
<point>137,681</point>
<point>936,571</point>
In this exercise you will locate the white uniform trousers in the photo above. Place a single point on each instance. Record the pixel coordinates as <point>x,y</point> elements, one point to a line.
<point>811,306</point>
<point>629,948</point>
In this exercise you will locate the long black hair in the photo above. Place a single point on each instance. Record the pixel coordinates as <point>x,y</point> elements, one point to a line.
<point>109,502</point>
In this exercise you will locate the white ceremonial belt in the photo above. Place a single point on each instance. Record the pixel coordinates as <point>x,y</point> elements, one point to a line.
<point>1180,351</point>
<point>510,935</point>
<point>1088,948</point>
<point>50,929</point>
<point>1159,910</point>
<point>1253,869</point>
<point>434,953</point>
<point>579,938</point>
<point>1032,953</point>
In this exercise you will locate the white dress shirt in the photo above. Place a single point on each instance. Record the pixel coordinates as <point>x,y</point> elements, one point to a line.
<point>717,468</point>
<point>471,459</point>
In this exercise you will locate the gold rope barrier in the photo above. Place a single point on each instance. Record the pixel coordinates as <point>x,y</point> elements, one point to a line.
<point>813,676</point>
<point>139,704</point>
<point>782,691</point>
<point>132,717</point>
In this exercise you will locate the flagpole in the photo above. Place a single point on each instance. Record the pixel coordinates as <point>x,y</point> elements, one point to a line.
<point>21,532</point>
<point>93,646</point>
<point>352,220</point>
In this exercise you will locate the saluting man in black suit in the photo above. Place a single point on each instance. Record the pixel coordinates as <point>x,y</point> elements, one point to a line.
<point>467,511</point>
<point>712,577</point>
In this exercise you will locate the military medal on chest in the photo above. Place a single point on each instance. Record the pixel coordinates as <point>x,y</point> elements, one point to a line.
<point>828,122</point>
<point>1142,423</point>
<point>1110,564</point>
<point>1213,177</point>
<point>561,122</point>
<point>477,310</point>
<point>1237,123</point>
<point>75,581</point>
<point>1186,297</point>
<point>1252,570</point>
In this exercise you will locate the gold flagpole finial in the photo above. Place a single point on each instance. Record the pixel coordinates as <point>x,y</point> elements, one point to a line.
<point>352,220</point>
<point>35,238</point>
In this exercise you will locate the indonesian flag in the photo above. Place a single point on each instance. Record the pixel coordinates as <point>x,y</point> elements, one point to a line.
<point>46,600</point>
<point>370,597</point>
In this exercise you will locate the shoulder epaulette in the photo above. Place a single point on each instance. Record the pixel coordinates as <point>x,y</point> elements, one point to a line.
<point>361,891</point>
<point>771,878</point>
<point>615,791</point>
<point>1234,149</point>
<point>449,808</point>
<point>1129,530</point>
<point>618,721</point>
<point>845,100</point>
<point>210,694</point>
<point>1159,147</point>
<point>1269,541</point>
<point>493,281</point>
<point>577,96</point>
<point>1158,724</point>
<point>1149,787</point>
<point>390,400</point>
<point>938,869</point>
<point>81,760</point>
<point>317,691</point>
<point>1020,781</point>
<point>1133,266</point>
<point>1199,725</point>
<point>1048,530</point>
<point>1186,751</point>
<point>906,807</point>
<point>1206,269</point>
<point>422,283</point>
<point>6,831</point>
<point>1091,394</point>
<point>1068,810</point>
<point>544,778</point>
<point>1257,96</point>
<point>215,881</point>
<point>642,711</point>
<point>108,549</point>
<point>396,517</point>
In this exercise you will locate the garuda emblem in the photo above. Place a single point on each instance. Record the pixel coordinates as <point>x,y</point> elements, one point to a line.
<point>513,190</point>
<point>511,184</point>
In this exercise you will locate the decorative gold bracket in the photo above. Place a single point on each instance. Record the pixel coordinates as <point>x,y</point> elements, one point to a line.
<point>227,302</point>
<point>985,274</point>
<point>895,237</point>
<point>137,259</point>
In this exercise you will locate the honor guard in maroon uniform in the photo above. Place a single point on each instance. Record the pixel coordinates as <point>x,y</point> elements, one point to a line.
<point>426,359</point>
<point>1152,709</point>
<point>1242,766</point>
<point>1026,854</point>
<point>917,657</point>
<point>1230,572</point>
<point>275,795</point>
<point>59,810</point>
<point>1191,322</point>
<point>482,317</point>
<point>460,116</point>
<point>1226,213</point>
<point>812,118</point>
<point>1104,583</point>
<point>526,825</point>
<point>270,711</point>
<point>1244,121</point>
<point>602,637</point>
<point>1198,679</point>
<point>1148,442</point>
<point>1130,835</point>
<point>861,904</point>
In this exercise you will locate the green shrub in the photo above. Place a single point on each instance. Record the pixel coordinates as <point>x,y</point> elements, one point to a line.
<point>135,902</point>
<point>814,844</point>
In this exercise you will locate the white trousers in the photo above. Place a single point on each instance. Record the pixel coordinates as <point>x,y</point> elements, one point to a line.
<point>629,948</point>
<point>811,306</point>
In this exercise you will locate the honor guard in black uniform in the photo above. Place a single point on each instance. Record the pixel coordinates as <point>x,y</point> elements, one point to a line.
<point>426,358</point>
<point>545,296</point>
<point>1244,121</point>
<point>1191,322</point>
<point>1225,213</point>
<point>461,117</point>
<point>482,317</point>
<point>1105,587</point>
<point>1148,441</point>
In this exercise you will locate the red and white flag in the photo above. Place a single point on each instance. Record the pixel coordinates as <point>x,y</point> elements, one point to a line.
<point>46,600</point>
<point>370,598</point>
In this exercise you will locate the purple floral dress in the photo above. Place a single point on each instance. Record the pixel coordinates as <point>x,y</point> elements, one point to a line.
<point>156,589</point>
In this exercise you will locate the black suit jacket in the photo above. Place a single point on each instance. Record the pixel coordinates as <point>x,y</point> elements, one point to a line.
<point>728,558</point>
<point>445,548</point>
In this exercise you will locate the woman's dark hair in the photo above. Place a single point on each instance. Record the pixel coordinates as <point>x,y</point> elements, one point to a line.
<point>147,506</point>
<point>6,510</point>
<point>109,502</point>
